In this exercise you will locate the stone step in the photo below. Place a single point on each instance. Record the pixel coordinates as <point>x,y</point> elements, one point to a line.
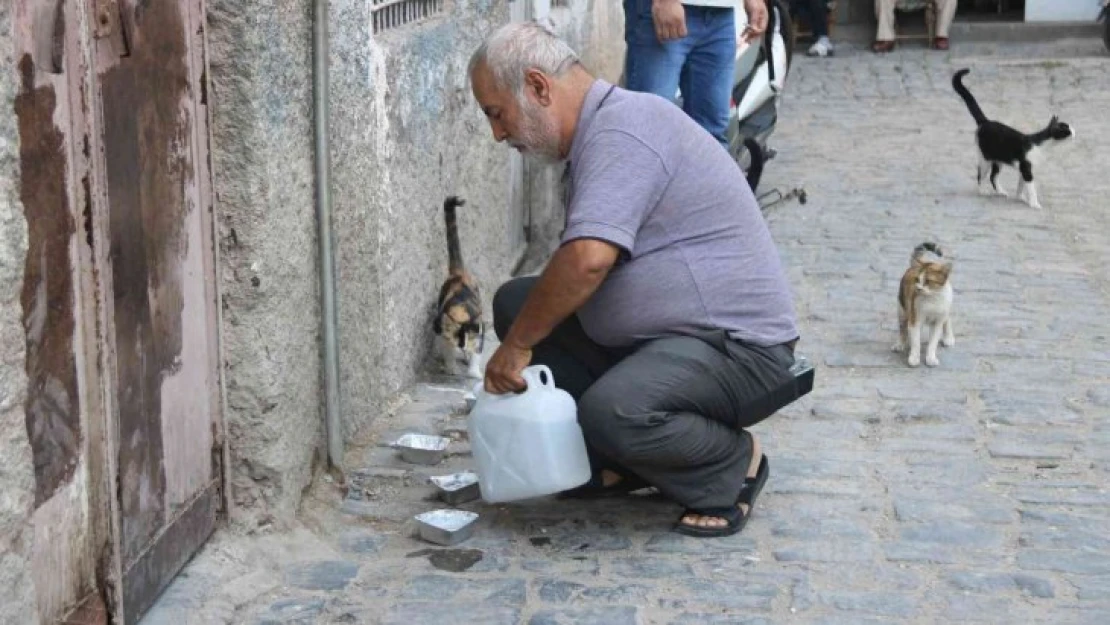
<point>386,487</point>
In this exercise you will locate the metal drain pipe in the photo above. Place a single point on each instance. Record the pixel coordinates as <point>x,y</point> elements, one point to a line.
<point>333,422</point>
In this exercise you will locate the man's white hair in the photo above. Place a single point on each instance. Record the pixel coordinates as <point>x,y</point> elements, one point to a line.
<point>516,48</point>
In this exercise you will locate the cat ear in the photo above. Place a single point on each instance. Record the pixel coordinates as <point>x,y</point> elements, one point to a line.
<point>1055,119</point>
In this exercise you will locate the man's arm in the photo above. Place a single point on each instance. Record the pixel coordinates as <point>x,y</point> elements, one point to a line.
<point>572,275</point>
<point>575,271</point>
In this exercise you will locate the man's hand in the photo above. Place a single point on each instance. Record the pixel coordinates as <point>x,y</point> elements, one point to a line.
<point>504,367</point>
<point>757,19</point>
<point>670,19</point>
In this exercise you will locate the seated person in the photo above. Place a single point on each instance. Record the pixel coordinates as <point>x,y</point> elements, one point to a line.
<point>665,311</point>
<point>816,14</point>
<point>884,37</point>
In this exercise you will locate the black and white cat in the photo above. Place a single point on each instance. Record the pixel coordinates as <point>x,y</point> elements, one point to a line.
<point>1000,144</point>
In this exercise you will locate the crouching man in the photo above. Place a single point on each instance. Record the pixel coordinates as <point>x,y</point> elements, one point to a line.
<point>665,312</point>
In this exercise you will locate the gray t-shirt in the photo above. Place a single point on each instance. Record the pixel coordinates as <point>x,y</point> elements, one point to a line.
<point>696,252</point>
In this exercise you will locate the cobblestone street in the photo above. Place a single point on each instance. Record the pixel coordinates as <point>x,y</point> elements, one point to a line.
<point>973,492</point>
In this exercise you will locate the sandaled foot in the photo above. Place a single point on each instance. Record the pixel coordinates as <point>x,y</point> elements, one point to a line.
<point>881,47</point>
<point>940,43</point>
<point>704,523</point>
<point>605,483</point>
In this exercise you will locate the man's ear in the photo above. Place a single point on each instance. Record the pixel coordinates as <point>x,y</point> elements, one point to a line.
<point>539,85</point>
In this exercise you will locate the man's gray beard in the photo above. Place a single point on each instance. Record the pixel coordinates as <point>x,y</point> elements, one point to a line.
<point>535,126</point>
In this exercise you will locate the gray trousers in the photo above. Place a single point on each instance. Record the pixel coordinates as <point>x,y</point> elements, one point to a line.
<point>667,410</point>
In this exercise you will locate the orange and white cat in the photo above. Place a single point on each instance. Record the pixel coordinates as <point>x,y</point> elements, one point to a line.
<point>925,305</point>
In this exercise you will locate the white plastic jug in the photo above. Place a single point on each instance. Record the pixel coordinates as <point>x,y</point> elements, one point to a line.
<point>527,444</point>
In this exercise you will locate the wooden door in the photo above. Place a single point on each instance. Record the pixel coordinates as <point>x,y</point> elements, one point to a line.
<point>160,338</point>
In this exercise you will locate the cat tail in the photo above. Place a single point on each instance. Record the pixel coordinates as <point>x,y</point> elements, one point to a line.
<point>926,247</point>
<point>454,251</point>
<point>972,105</point>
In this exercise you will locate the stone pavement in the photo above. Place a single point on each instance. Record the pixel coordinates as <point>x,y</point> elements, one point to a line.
<point>975,492</point>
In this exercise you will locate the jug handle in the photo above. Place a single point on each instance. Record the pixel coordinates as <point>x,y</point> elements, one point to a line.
<point>536,374</point>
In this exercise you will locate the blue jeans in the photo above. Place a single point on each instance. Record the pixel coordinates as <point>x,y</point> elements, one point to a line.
<point>701,64</point>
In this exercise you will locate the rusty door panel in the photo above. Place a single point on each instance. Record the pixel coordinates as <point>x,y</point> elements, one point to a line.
<point>163,290</point>
<point>52,410</point>
<point>65,414</point>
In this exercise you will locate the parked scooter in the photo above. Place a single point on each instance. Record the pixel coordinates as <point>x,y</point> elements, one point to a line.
<point>761,70</point>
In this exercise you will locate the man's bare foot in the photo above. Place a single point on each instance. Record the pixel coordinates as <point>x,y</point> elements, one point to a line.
<point>712,522</point>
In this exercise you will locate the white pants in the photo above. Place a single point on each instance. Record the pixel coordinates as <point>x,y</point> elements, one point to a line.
<point>884,11</point>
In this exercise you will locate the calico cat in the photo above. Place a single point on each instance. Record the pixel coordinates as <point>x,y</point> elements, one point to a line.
<point>1000,145</point>
<point>925,303</point>
<point>458,320</point>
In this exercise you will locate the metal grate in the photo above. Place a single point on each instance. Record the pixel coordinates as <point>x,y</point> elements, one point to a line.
<point>388,14</point>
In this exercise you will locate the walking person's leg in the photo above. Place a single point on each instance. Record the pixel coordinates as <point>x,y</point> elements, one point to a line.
<point>946,12</point>
<point>884,35</point>
<point>818,11</point>
<point>707,78</point>
<point>650,66</point>
<point>670,414</point>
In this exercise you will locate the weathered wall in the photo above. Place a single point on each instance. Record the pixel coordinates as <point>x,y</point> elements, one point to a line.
<point>260,63</point>
<point>17,594</point>
<point>406,134</point>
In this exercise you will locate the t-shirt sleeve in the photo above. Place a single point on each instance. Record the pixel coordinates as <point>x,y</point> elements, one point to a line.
<point>617,182</point>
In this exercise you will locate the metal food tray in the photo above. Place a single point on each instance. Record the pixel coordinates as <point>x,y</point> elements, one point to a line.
<point>422,448</point>
<point>446,526</point>
<point>457,488</point>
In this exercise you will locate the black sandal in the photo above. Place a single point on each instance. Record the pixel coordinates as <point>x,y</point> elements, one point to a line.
<point>735,519</point>
<point>594,489</point>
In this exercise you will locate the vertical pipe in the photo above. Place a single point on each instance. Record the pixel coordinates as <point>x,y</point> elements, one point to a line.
<point>333,423</point>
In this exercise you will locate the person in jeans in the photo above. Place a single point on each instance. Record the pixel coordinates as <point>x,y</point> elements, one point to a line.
<point>816,14</point>
<point>688,46</point>
<point>884,36</point>
<point>665,311</point>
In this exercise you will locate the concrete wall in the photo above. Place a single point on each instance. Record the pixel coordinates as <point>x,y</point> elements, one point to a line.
<point>405,133</point>
<point>260,72</point>
<point>17,593</point>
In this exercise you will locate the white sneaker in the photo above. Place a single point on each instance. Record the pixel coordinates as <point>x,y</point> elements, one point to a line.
<point>822,47</point>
